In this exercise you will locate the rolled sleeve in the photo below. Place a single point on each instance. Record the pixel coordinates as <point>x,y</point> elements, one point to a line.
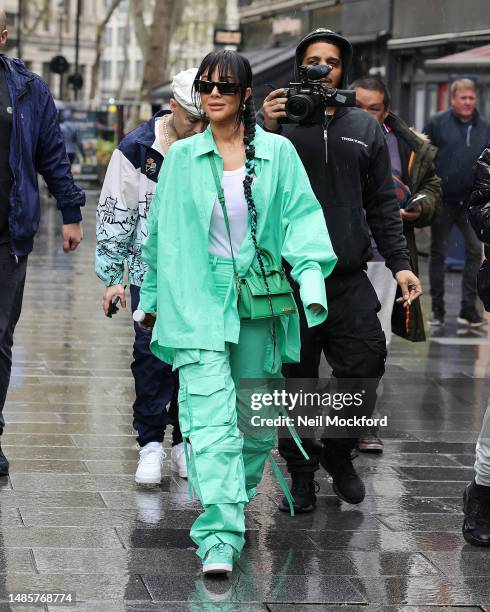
<point>312,291</point>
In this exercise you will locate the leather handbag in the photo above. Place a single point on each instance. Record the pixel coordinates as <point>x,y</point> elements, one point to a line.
<point>262,293</point>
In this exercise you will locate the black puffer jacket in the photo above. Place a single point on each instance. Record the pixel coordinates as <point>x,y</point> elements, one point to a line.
<point>479,216</point>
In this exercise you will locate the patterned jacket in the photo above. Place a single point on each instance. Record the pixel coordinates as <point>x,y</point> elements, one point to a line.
<point>125,199</point>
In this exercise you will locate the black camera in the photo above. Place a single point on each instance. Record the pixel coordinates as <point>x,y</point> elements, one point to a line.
<point>308,99</point>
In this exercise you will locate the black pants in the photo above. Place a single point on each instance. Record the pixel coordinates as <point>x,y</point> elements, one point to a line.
<point>354,346</point>
<point>155,386</point>
<point>449,215</point>
<point>12,280</point>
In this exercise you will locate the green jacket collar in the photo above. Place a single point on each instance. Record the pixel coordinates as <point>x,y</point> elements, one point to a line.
<point>204,143</point>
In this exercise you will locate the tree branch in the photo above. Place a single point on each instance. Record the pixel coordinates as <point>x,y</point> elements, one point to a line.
<point>98,48</point>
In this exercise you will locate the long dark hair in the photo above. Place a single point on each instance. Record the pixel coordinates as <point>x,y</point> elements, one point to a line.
<point>232,64</point>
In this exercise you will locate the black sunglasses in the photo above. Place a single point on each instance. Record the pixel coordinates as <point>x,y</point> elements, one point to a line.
<point>224,87</point>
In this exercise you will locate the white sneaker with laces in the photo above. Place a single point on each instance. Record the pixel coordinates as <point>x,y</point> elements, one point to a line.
<point>150,465</point>
<point>177,456</point>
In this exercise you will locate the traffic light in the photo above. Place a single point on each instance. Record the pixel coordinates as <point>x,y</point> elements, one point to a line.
<point>76,81</point>
<point>59,64</point>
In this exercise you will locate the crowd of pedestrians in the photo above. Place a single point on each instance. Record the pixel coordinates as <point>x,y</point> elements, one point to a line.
<point>201,207</point>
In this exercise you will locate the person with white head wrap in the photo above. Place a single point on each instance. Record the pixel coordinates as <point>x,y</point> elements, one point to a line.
<point>182,90</point>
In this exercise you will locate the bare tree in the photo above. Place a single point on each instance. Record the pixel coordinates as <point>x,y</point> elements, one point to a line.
<point>125,69</point>
<point>155,48</point>
<point>98,48</point>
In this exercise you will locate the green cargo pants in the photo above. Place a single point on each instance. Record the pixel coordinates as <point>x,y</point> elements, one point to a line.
<point>224,464</point>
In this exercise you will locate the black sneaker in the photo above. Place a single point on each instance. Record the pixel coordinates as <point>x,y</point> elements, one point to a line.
<point>370,443</point>
<point>346,483</point>
<point>303,489</point>
<point>476,508</point>
<point>437,317</point>
<point>471,318</point>
<point>4,464</point>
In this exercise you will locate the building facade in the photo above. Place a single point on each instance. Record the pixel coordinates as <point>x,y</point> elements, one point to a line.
<point>48,28</point>
<point>192,38</point>
<point>394,39</point>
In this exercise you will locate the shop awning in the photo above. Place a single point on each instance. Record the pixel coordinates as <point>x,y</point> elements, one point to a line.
<point>438,39</point>
<point>471,59</point>
<point>272,68</point>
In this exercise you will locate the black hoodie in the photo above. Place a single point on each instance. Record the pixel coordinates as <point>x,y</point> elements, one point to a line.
<point>349,168</point>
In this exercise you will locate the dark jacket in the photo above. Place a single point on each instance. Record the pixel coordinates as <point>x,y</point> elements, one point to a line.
<point>348,165</point>
<point>459,145</point>
<point>36,146</point>
<point>479,216</point>
<point>417,156</point>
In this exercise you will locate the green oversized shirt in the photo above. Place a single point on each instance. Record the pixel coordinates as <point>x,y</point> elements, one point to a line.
<point>179,284</point>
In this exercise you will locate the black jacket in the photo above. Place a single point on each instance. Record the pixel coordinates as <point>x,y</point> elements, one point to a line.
<point>349,168</point>
<point>459,146</point>
<point>479,216</point>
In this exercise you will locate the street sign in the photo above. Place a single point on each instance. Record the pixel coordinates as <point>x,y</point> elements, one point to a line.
<point>227,37</point>
<point>59,64</point>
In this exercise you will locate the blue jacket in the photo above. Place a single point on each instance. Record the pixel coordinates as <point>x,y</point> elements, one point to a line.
<point>459,146</point>
<point>36,146</point>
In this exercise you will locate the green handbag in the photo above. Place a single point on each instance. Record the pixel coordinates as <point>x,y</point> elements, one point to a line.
<point>261,294</point>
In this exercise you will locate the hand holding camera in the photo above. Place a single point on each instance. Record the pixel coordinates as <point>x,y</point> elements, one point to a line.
<point>273,109</point>
<point>305,101</point>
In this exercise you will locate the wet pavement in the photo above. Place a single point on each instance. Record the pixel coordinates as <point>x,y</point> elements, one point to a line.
<point>73,520</point>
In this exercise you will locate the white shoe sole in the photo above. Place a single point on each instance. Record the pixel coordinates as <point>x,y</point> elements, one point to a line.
<point>175,468</point>
<point>217,568</point>
<point>150,482</point>
<point>469,324</point>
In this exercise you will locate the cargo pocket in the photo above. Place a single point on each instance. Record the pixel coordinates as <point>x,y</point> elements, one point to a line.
<point>216,443</point>
<point>209,401</point>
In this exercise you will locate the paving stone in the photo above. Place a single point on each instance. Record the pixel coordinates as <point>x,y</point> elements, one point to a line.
<point>425,591</point>
<point>472,562</point>
<point>422,522</point>
<point>58,537</point>
<point>65,453</point>
<point>86,587</point>
<point>438,473</point>
<point>15,561</point>
<point>161,518</point>
<point>294,589</point>
<point>51,499</point>
<point>335,563</point>
<point>47,466</point>
<point>147,561</point>
<point>80,482</point>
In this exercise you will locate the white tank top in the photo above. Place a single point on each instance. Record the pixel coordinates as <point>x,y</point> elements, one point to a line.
<point>236,207</point>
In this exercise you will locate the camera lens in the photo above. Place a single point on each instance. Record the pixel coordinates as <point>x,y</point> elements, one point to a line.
<point>299,107</point>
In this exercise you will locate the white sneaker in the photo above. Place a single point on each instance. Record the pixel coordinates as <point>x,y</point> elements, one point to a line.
<point>150,465</point>
<point>178,463</point>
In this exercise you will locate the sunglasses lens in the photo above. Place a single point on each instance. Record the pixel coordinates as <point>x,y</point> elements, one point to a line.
<point>205,87</point>
<point>228,89</point>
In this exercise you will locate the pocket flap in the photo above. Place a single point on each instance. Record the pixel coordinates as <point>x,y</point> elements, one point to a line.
<point>207,385</point>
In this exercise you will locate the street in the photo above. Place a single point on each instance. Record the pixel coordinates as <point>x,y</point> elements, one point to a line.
<point>72,519</point>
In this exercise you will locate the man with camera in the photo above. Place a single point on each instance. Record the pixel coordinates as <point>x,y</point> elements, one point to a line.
<point>345,155</point>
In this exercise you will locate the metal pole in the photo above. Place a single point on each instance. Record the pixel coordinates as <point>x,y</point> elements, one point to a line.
<point>19,28</point>
<point>77,41</point>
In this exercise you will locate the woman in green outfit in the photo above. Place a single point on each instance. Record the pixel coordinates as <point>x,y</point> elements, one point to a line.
<point>194,254</point>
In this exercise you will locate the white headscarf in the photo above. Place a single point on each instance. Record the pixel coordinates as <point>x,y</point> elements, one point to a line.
<point>182,90</point>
